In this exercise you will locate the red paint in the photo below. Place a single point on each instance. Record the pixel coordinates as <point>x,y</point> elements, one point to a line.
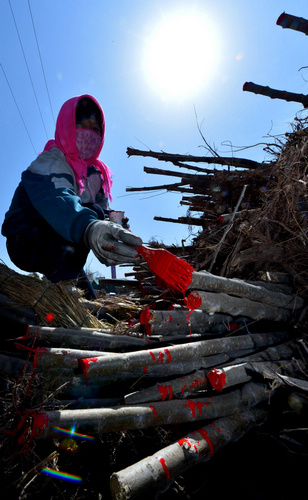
<point>161,356</point>
<point>153,410</point>
<point>165,392</point>
<point>205,436</point>
<point>168,355</point>
<point>217,379</point>
<point>170,318</point>
<point>183,389</point>
<point>145,369</point>
<point>85,363</point>
<point>193,406</point>
<point>175,273</point>
<point>232,327</point>
<point>167,471</point>
<point>152,355</point>
<point>40,420</point>
<point>49,317</point>
<point>184,440</point>
<point>193,301</point>
<point>201,381</point>
<point>145,318</point>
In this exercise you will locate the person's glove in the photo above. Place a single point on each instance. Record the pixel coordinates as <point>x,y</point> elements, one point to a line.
<point>111,243</point>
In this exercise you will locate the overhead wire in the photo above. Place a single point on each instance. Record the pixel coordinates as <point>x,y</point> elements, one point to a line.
<point>22,48</point>
<point>41,61</point>
<point>23,121</point>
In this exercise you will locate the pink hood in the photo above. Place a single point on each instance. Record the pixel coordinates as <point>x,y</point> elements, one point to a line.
<point>65,140</point>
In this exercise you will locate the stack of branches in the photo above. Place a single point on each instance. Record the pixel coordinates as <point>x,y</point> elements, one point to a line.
<point>250,218</point>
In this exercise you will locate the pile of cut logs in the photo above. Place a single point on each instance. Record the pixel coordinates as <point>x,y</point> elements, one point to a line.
<point>202,361</point>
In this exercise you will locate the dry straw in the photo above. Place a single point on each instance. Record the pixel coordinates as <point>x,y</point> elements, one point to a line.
<point>53,303</point>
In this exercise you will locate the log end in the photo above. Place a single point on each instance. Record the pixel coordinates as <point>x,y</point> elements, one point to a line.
<point>280,19</point>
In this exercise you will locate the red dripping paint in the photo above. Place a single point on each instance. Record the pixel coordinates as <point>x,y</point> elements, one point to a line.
<point>183,389</point>
<point>153,410</point>
<point>184,440</point>
<point>85,363</point>
<point>145,318</point>
<point>205,436</point>
<point>167,471</point>
<point>165,392</point>
<point>152,355</point>
<point>217,379</point>
<point>193,406</point>
<point>175,273</point>
<point>145,369</point>
<point>168,355</point>
<point>161,356</point>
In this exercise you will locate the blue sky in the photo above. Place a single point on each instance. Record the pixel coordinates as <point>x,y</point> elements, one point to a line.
<point>103,48</point>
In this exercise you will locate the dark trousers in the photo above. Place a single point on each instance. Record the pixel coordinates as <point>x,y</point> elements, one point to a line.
<point>40,249</point>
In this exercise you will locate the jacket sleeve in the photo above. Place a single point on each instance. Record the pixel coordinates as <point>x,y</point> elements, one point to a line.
<point>50,185</point>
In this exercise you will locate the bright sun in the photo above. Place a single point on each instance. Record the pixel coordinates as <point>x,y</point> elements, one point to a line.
<point>181,55</point>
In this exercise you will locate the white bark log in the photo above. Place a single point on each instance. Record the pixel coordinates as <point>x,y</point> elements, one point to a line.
<point>163,356</point>
<point>157,473</point>
<point>236,306</point>
<point>211,283</point>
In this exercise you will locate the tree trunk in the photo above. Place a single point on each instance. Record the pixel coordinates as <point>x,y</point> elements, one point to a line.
<point>142,416</point>
<point>161,357</point>
<point>293,23</point>
<point>157,473</point>
<point>88,338</point>
<point>235,306</point>
<point>211,283</point>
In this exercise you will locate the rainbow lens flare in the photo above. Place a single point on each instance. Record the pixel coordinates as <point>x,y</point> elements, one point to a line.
<point>61,475</point>
<point>73,433</point>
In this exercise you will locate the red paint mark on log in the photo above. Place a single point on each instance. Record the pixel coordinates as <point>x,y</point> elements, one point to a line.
<point>85,363</point>
<point>217,379</point>
<point>232,327</point>
<point>153,410</point>
<point>145,318</point>
<point>192,405</point>
<point>165,392</point>
<point>145,369</point>
<point>193,301</point>
<point>200,381</point>
<point>167,471</point>
<point>168,355</point>
<point>205,436</point>
<point>152,356</point>
<point>161,356</point>
<point>184,440</point>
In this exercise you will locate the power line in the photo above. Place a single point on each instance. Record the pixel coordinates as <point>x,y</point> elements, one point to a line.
<point>42,66</point>
<point>27,67</point>
<point>23,121</point>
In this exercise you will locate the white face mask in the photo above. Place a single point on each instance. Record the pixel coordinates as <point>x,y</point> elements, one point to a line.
<point>87,142</point>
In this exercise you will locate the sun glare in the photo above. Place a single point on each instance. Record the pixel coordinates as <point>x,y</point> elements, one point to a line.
<point>181,55</point>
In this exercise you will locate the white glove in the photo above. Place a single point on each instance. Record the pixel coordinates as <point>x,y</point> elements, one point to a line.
<point>111,243</point>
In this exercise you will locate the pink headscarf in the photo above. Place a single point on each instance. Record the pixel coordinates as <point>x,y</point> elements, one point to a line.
<point>65,140</point>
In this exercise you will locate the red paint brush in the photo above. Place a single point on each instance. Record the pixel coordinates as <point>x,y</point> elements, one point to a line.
<point>176,273</point>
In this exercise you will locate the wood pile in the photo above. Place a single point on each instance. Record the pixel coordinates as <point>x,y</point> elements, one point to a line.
<point>153,392</point>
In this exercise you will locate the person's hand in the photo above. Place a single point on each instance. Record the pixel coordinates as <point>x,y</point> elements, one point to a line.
<point>111,243</point>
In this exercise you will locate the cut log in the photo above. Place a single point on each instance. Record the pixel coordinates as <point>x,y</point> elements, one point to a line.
<point>235,306</point>
<point>121,418</point>
<point>293,23</point>
<point>157,473</point>
<point>209,282</point>
<point>276,94</point>
<point>88,338</point>
<point>229,376</point>
<point>160,357</point>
